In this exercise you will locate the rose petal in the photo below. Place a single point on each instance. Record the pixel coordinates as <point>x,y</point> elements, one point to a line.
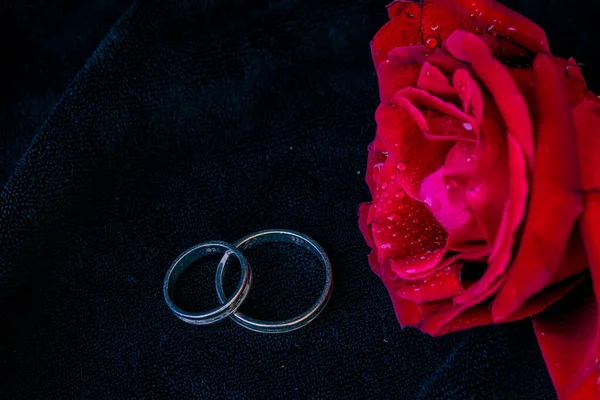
<point>467,47</point>
<point>555,191</point>
<point>405,231</point>
<point>418,54</point>
<point>487,191</point>
<point>401,31</point>
<point>442,284</point>
<point>454,216</point>
<point>508,23</point>
<point>443,127</point>
<point>574,260</point>
<point>470,94</point>
<point>394,75</point>
<point>433,81</point>
<point>568,338</point>
<point>411,156</point>
<point>511,217</point>
<point>480,315</point>
<point>435,324</point>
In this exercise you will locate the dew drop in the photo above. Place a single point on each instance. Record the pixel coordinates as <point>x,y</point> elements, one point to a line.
<point>384,185</point>
<point>387,61</point>
<point>471,15</point>
<point>468,126</point>
<point>471,159</point>
<point>415,221</point>
<point>400,195</point>
<point>435,28</point>
<point>401,166</point>
<point>512,28</point>
<point>386,246</point>
<point>451,185</point>
<point>431,42</point>
<point>432,203</point>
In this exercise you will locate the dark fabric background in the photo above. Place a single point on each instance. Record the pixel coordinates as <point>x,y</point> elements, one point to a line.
<point>130,132</point>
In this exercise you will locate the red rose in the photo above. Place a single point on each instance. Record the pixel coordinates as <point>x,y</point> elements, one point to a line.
<point>485,178</point>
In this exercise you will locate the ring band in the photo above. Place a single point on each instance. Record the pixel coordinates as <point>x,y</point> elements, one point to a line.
<point>227,307</point>
<point>270,236</point>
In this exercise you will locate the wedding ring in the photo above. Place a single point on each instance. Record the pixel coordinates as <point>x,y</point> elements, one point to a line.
<point>271,236</point>
<point>228,306</point>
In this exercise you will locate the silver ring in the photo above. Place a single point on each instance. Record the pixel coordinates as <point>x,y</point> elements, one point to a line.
<point>270,236</point>
<point>227,307</point>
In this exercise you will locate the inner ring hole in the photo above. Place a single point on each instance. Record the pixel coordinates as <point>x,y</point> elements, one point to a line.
<point>195,289</point>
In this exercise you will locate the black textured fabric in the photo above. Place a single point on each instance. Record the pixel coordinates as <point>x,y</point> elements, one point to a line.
<point>141,130</point>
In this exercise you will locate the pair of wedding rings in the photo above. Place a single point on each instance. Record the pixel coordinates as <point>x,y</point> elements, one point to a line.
<point>229,306</point>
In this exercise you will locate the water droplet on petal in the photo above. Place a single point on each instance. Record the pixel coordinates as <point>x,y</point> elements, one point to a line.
<point>400,195</point>
<point>468,126</point>
<point>384,185</point>
<point>451,185</point>
<point>432,203</point>
<point>415,221</point>
<point>435,28</point>
<point>471,15</point>
<point>471,159</point>
<point>431,42</point>
<point>386,246</point>
<point>512,28</point>
<point>401,166</point>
